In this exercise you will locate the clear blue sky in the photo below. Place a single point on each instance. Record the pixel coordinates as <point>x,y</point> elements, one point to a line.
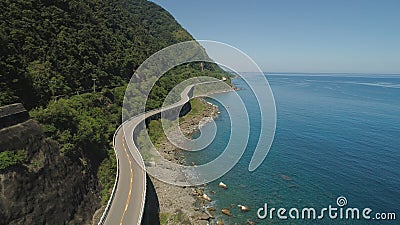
<point>356,36</point>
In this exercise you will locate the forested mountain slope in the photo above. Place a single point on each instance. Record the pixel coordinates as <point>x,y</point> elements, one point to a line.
<point>51,48</point>
<point>51,51</point>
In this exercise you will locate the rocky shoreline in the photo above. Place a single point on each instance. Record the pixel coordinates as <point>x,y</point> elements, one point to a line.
<point>184,205</point>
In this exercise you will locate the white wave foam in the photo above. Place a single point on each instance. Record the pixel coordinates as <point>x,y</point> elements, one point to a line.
<point>377,84</point>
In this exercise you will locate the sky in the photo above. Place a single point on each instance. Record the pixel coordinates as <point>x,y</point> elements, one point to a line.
<point>331,36</point>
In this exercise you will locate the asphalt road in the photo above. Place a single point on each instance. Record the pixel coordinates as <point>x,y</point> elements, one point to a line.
<point>128,203</point>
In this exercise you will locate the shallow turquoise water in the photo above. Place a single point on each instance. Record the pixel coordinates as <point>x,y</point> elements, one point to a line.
<point>337,135</point>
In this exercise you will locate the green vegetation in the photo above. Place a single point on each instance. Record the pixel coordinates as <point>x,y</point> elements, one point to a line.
<point>12,158</point>
<point>166,217</point>
<point>177,75</point>
<point>56,48</point>
<point>82,124</point>
<point>106,175</point>
<point>204,89</point>
<point>52,52</point>
<point>174,218</point>
<point>155,129</point>
<point>156,132</point>
<point>197,106</point>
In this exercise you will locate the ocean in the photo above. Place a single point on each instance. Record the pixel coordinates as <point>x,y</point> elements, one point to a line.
<point>337,135</point>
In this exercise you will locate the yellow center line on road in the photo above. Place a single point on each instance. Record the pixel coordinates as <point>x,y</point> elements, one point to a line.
<point>131,181</point>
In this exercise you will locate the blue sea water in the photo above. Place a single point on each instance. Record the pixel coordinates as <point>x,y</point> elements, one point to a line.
<point>337,135</point>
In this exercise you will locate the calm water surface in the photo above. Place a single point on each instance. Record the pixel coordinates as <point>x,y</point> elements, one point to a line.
<point>337,135</point>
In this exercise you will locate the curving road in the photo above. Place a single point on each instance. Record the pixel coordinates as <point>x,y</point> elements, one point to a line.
<point>128,198</point>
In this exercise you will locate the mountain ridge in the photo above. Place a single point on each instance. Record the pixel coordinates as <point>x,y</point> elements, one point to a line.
<point>52,54</point>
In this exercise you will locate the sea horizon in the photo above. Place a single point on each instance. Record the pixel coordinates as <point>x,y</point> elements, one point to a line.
<point>329,131</point>
<point>324,73</point>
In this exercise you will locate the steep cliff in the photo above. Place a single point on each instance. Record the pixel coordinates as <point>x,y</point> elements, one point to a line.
<point>52,54</point>
<point>45,187</point>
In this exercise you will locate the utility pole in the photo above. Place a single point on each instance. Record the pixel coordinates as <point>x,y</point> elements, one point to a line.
<point>94,84</point>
